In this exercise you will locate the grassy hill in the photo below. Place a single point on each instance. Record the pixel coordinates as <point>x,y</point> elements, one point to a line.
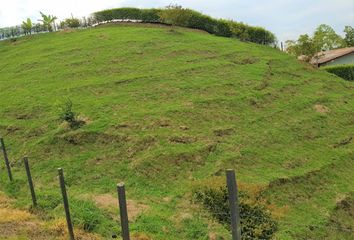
<point>165,109</point>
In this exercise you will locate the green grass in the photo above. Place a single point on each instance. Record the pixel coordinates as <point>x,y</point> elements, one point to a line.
<point>166,107</point>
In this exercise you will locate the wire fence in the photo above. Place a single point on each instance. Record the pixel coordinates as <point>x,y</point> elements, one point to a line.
<point>236,221</point>
<point>18,31</point>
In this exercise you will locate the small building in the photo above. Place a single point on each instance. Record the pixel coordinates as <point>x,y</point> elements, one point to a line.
<point>334,57</point>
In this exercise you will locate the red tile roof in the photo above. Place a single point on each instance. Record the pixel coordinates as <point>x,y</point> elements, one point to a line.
<point>327,56</point>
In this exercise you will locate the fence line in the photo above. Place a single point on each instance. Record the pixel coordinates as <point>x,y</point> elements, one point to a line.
<point>6,159</point>
<point>122,203</point>
<point>66,203</point>
<point>123,211</point>
<point>30,181</point>
<point>18,31</point>
<point>233,201</point>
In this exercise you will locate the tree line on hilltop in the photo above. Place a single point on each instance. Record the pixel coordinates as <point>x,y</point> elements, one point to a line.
<point>48,23</point>
<point>171,15</point>
<point>184,17</point>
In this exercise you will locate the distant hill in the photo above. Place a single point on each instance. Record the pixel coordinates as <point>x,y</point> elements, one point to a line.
<point>166,108</point>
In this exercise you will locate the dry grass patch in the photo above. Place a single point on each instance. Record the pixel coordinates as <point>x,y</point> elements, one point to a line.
<point>321,108</point>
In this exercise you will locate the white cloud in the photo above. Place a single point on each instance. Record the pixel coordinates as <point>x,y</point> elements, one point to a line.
<point>286,18</point>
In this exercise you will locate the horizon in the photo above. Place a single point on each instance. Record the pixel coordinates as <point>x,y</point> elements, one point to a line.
<point>286,19</point>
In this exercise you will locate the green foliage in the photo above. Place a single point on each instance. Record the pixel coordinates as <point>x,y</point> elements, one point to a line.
<point>325,38</point>
<point>248,33</point>
<point>27,26</point>
<point>256,222</point>
<point>67,114</point>
<point>344,71</point>
<point>184,17</point>
<point>13,188</point>
<point>304,46</point>
<point>150,15</point>
<point>119,13</point>
<point>39,27</point>
<point>349,36</point>
<point>141,86</point>
<point>178,16</point>
<point>71,23</point>
<point>48,21</point>
<point>49,200</point>
<point>87,215</point>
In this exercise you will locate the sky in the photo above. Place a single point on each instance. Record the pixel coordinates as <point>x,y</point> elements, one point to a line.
<point>286,18</point>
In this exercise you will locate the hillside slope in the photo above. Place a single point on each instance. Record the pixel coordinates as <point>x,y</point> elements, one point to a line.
<point>165,108</point>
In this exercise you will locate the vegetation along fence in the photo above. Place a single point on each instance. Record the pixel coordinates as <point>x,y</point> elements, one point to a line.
<point>184,17</point>
<point>122,203</point>
<point>171,15</point>
<point>344,71</point>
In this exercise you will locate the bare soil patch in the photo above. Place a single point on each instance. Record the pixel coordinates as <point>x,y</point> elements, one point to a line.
<point>321,108</point>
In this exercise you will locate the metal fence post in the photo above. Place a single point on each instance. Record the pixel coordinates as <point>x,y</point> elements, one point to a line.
<point>233,201</point>
<point>66,204</point>
<point>6,159</point>
<point>123,211</point>
<point>30,182</point>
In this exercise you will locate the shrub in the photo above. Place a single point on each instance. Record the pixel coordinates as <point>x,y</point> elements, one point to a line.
<point>256,222</point>
<point>344,71</point>
<point>71,23</point>
<point>68,115</point>
<point>175,15</point>
<point>13,188</point>
<point>184,17</point>
<point>245,32</point>
<point>146,15</point>
<point>119,13</point>
<point>86,215</point>
<point>150,15</point>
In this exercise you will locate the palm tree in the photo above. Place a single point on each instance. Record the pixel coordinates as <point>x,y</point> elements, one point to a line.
<point>48,21</point>
<point>27,26</point>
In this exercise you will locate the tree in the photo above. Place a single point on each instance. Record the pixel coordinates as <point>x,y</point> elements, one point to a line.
<point>70,22</point>
<point>349,36</point>
<point>48,21</point>
<point>27,26</point>
<point>326,38</point>
<point>304,46</point>
<point>176,15</point>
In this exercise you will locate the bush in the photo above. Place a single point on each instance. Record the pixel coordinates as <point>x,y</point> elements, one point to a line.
<point>245,32</point>
<point>119,13</point>
<point>256,222</point>
<point>68,115</point>
<point>176,16</point>
<point>71,23</point>
<point>184,17</point>
<point>344,71</point>
<point>86,215</point>
<point>150,15</point>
